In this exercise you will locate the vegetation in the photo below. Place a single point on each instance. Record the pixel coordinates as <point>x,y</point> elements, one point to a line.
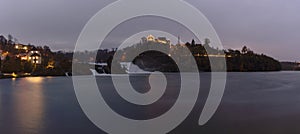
<point>58,63</point>
<point>247,60</point>
<point>236,60</point>
<point>290,66</point>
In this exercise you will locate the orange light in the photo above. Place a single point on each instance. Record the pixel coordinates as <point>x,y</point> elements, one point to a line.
<point>14,75</point>
<point>34,80</point>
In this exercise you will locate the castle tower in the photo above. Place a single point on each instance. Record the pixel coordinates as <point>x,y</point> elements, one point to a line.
<point>150,38</point>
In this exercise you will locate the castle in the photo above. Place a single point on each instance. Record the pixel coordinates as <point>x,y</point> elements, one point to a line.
<point>151,38</point>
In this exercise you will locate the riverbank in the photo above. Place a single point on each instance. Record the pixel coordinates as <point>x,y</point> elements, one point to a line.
<point>24,76</point>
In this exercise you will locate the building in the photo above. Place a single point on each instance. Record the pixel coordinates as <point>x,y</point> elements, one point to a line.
<point>34,56</point>
<point>151,38</point>
<point>23,56</point>
<point>4,55</point>
<point>28,53</point>
<point>21,47</point>
<point>163,40</point>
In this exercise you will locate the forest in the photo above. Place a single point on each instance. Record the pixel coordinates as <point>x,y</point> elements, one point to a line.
<point>58,63</point>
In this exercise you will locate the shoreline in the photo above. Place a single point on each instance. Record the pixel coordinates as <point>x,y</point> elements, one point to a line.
<point>12,77</point>
<point>18,77</point>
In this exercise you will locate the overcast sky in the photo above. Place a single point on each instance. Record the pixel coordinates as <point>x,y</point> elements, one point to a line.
<point>271,27</point>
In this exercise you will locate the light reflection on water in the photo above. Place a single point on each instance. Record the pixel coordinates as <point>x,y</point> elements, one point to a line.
<point>41,105</point>
<point>34,80</point>
<point>28,104</point>
<point>250,105</point>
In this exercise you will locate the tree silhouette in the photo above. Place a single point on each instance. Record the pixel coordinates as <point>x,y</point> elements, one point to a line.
<point>193,42</point>
<point>244,50</point>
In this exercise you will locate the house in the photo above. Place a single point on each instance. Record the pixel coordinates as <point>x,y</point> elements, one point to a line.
<point>28,53</point>
<point>23,56</point>
<point>21,47</point>
<point>34,56</point>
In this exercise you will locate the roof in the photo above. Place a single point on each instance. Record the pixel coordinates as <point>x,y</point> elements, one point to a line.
<point>33,49</point>
<point>35,54</point>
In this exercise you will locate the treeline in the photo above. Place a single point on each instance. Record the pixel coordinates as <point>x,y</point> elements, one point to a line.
<point>290,66</point>
<point>248,61</point>
<point>60,62</point>
<point>244,60</point>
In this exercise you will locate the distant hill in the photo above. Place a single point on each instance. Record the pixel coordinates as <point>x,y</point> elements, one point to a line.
<point>239,61</point>
<point>289,66</point>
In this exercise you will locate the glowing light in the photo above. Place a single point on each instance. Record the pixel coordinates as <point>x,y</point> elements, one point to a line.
<point>24,58</point>
<point>14,75</point>
<point>50,66</point>
<point>212,55</point>
<point>150,38</point>
<point>35,80</point>
<point>161,41</point>
<point>27,74</point>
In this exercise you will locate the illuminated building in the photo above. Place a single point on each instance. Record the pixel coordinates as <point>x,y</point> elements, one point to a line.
<point>151,38</point>
<point>34,56</point>
<point>20,47</point>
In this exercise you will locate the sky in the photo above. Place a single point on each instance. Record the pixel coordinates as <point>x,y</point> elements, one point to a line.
<point>271,27</point>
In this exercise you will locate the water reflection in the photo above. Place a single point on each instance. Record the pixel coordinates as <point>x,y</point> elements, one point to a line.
<point>29,105</point>
<point>44,106</point>
<point>34,80</point>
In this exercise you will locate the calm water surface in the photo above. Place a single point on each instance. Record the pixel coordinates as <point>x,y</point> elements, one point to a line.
<point>252,103</point>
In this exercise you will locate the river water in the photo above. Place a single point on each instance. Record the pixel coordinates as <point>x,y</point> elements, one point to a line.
<point>261,102</point>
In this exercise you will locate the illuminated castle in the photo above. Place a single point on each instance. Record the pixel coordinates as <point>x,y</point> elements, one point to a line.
<point>151,38</point>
